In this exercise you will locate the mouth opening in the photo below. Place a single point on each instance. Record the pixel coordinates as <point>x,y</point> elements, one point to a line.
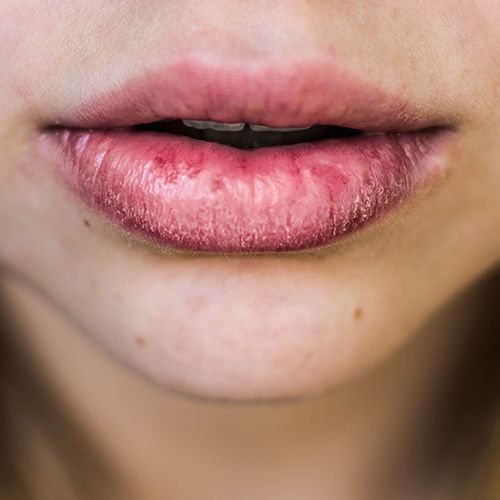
<point>247,136</point>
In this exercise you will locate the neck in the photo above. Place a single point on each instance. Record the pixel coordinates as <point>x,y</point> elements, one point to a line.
<point>346,443</point>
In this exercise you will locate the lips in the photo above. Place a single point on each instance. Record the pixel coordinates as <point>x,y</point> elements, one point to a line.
<point>196,195</point>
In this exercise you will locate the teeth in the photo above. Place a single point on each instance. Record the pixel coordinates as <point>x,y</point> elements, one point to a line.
<point>219,126</point>
<point>236,127</point>
<point>262,128</point>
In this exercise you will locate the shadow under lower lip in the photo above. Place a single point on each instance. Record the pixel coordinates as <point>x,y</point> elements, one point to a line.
<point>200,196</point>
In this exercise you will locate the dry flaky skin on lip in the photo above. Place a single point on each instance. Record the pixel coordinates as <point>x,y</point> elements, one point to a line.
<point>200,196</point>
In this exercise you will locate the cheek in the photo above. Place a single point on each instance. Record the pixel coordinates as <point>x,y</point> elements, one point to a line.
<point>26,46</point>
<point>490,12</point>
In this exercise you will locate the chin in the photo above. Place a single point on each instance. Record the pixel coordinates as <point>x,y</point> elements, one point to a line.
<point>247,334</point>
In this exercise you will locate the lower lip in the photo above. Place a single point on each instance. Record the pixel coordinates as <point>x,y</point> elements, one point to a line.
<point>199,196</point>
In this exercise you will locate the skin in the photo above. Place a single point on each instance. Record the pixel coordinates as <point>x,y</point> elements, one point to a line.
<point>248,328</point>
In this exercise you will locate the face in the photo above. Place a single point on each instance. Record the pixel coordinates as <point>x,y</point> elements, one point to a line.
<point>313,278</point>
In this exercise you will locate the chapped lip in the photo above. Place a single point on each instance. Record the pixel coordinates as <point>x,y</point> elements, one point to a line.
<point>205,197</point>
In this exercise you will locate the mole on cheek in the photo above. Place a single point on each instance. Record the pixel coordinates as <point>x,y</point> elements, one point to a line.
<point>140,341</point>
<point>358,313</point>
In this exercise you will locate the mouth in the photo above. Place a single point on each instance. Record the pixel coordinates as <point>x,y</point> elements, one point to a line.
<point>203,158</point>
<point>246,135</point>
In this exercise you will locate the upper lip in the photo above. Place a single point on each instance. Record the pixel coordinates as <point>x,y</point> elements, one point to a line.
<point>298,94</point>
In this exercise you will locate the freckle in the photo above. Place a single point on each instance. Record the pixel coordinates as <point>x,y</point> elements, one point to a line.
<point>358,313</point>
<point>140,341</point>
<point>86,222</point>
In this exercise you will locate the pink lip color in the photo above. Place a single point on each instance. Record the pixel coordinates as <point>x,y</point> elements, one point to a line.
<point>282,94</point>
<point>201,196</point>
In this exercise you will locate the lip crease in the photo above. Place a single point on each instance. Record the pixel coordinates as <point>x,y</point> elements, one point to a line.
<point>202,196</point>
